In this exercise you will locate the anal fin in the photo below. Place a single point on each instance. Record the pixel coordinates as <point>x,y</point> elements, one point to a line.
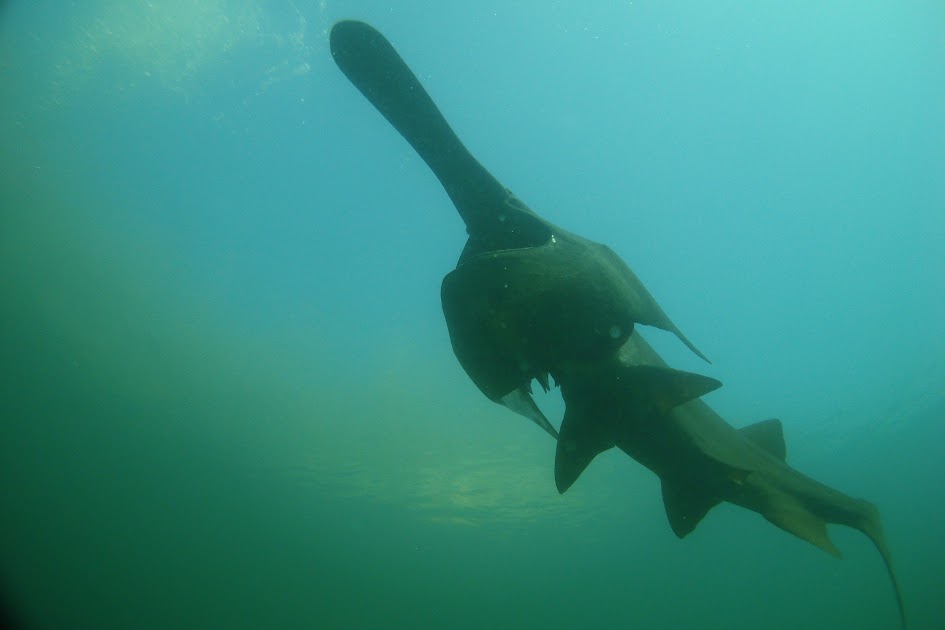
<point>791,516</point>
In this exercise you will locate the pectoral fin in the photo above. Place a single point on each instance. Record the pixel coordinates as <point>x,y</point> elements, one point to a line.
<point>580,441</point>
<point>521,402</point>
<point>605,400</point>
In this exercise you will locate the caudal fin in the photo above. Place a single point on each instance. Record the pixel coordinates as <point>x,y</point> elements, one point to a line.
<point>792,516</point>
<point>871,525</point>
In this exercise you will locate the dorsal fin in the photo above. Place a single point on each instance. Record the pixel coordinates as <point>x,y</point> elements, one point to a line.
<point>601,401</point>
<point>767,434</point>
<point>661,388</point>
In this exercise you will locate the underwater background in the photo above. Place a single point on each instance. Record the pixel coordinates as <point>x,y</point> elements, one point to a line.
<point>227,394</point>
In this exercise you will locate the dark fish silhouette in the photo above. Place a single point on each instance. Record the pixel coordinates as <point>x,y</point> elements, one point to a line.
<point>526,296</point>
<point>528,300</point>
<point>701,460</point>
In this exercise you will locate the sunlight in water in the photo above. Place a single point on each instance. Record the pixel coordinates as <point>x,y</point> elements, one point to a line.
<point>178,44</point>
